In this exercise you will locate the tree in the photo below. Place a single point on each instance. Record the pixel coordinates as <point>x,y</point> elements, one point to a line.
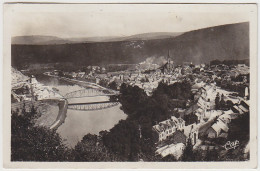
<point>239,128</point>
<point>188,154</point>
<point>215,62</point>
<point>112,85</point>
<point>217,100</point>
<point>222,103</point>
<point>169,158</point>
<point>103,83</point>
<point>212,155</point>
<point>123,140</point>
<point>34,143</point>
<point>229,104</point>
<point>91,148</point>
<point>60,74</point>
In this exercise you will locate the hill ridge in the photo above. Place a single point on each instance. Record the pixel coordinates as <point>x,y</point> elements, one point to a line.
<point>198,46</point>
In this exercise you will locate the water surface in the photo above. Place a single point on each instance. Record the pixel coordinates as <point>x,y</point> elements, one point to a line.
<point>80,123</point>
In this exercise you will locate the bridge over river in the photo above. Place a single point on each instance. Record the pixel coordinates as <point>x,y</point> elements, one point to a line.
<point>66,102</point>
<point>90,90</point>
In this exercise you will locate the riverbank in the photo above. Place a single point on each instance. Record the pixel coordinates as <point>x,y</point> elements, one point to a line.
<point>80,83</point>
<point>63,107</point>
<point>48,115</point>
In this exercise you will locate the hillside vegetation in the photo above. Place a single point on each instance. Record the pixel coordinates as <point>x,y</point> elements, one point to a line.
<point>199,46</point>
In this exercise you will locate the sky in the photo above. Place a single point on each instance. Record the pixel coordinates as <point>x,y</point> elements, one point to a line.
<point>106,20</point>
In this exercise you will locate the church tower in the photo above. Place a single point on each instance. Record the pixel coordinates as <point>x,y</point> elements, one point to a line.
<point>170,64</point>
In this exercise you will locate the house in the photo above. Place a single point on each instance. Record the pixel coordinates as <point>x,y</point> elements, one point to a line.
<point>98,80</point>
<point>103,69</point>
<point>200,113</point>
<point>226,117</point>
<point>203,92</point>
<point>166,128</point>
<point>80,74</point>
<point>218,129</point>
<point>203,103</point>
<point>56,72</point>
<point>233,99</point>
<point>74,74</point>
<point>241,107</point>
<point>233,74</point>
<point>210,114</point>
<point>196,95</point>
<point>241,65</point>
<point>197,86</point>
<point>245,103</point>
<point>33,80</point>
<point>180,123</point>
<point>236,109</point>
<point>173,149</point>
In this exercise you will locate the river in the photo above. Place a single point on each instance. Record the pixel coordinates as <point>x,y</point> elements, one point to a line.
<point>80,123</point>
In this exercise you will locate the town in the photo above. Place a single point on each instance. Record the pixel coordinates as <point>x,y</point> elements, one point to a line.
<point>220,94</point>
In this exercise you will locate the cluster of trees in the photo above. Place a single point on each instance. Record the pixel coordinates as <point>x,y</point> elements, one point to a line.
<point>91,148</point>
<point>240,78</point>
<point>230,62</point>
<point>221,104</point>
<point>133,138</point>
<point>124,139</point>
<point>116,68</point>
<point>239,128</point>
<point>178,90</point>
<point>104,83</point>
<point>34,143</point>
<point>231,86</point>
<point>22,90</point>
<point>30,142</point>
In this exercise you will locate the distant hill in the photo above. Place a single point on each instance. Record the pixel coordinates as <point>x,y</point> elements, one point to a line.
<point>150,36</point>
<point>50,40</point>
<point>37,40</point>
<point>199,46</point>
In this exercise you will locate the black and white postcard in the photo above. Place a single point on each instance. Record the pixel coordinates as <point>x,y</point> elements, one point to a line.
<point>130,85</point>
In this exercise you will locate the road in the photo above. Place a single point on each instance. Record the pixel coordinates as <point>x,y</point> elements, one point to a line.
<point>63,106</point>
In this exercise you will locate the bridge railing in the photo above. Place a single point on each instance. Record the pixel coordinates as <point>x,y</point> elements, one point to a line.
<point>90,93</point>
<point>92,106</point>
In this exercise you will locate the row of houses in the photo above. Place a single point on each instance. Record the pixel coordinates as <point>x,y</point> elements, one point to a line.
<point>203,112</point>
<point>221,126</point>
<point>202,109</point>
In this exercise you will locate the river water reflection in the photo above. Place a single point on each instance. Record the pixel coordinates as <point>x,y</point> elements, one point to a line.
<point>79,123</point>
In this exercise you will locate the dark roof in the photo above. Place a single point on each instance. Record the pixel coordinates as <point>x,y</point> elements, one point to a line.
<point>244,104</point>
<point>191,109</point>
<point>234,109</point>
<point>179,137</point>
<point>203,128</point>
